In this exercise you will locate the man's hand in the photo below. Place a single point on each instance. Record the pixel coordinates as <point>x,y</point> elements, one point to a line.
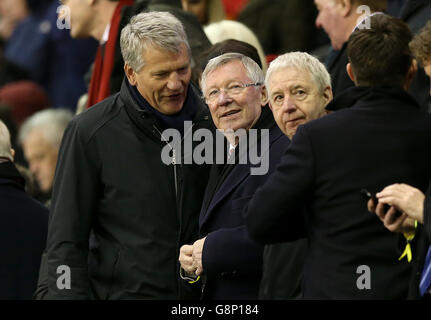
<point>402,198</point>
<point>197,256</point>
<point>392,222</point>
<point>186,259</point>
<point>405,198</point>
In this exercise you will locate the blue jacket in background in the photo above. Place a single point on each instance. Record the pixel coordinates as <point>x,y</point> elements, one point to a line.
<point>51,57</point>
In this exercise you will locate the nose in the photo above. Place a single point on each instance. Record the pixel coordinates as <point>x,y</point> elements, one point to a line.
<point>289,105</point>
<point>223,98</point>
<point>174,82</point>
<point>317,22</point>
<point>34,168</point>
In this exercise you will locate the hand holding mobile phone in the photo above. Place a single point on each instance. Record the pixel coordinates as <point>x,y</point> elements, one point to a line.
<point>368,195</point>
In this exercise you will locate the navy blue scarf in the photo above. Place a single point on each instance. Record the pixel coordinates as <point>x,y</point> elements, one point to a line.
<point>175,121</point>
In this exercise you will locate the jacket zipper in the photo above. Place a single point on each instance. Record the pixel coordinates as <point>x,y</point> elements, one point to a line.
<point>174,163</point>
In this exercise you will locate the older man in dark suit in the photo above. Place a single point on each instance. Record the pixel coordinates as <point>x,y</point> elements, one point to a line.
<point>23,229</point>
<point>381,138</point>
<point>229,260</point>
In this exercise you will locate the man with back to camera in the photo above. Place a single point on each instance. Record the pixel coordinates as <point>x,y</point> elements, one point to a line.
<point>111,186</point>
<point>330,160</point>
<point>412,201</point>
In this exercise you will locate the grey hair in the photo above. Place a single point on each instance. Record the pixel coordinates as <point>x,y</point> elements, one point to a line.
<point>301,61</point>
<point>151,29</point>
<point>254,72</point>
<point>51,122</point>
<point>5,144</point>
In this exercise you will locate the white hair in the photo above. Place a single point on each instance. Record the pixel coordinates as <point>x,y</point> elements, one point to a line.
<point>5,144</point>
<point>230,29</point>
<point>301,61</point>
<point>51,122</point>
<point>254,72</point>
<point>151,29</point>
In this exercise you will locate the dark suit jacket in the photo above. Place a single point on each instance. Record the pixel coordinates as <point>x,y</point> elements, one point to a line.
<point>23,230</point>
<point>232,262</point>
<point>336,64</point>
<point>383,138</point>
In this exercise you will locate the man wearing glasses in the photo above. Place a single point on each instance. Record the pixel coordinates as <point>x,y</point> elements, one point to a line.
<point>228,261</point>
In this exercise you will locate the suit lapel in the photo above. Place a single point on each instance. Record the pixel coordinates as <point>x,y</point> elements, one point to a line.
<point>228,181</point>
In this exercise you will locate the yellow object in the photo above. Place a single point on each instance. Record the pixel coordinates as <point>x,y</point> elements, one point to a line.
<point>194,281</point>
<point>408,250</point>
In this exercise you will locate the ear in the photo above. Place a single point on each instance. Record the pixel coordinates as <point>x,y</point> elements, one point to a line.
<point>327,95</point>
<point>345,7</point>
<point>263,96</point>
<point>350,73</point>
<point>130,74</point>
<point>411,74</point>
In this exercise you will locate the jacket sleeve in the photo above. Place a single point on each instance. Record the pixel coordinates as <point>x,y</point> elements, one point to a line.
<point>74,203</point>
<point>427,213</point>
<point>230,250</point>
<point>276,211</point>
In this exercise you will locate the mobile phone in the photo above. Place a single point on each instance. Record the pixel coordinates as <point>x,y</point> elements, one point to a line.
<point>368,195</point>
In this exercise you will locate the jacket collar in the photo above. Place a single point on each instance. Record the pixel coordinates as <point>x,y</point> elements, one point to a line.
<point>147,121</point>
<point>229,177</point>
<point>9,173</point>
<point>358,96</point>
<point>334,56</point>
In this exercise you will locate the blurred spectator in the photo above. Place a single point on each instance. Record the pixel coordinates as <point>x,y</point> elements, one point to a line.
<point>229,45</point>
<point>339,18</point>
<point>281,25</point>
<point>9,71</point>
<point>206,11</point>
<point>6,117</point>
<point>23,229</point>
<point>416,13</point>
<point>395,6</point>
<point>229,29</point>
<point>40,137</point>
<point>49,55</point>
<point>233,8</point>
<point>24,98</point>
<point>11,13</point>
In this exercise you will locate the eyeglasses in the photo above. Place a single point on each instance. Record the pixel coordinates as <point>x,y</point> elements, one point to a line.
<point>232,89</point>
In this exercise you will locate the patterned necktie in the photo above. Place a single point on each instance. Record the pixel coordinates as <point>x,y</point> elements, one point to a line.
<point>426,274</point>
